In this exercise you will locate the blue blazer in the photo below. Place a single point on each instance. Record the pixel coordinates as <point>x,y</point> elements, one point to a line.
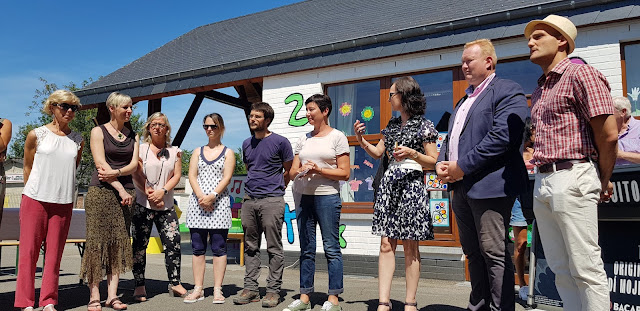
<point>490,146</point>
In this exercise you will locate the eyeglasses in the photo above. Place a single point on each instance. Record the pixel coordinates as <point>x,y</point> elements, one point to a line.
<point>391,94</point>
<point>210,126</point>
<point>65,107</point>
<point>160,125</point>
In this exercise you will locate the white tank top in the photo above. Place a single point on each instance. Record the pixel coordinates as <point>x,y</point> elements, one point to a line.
<point>53,174</point>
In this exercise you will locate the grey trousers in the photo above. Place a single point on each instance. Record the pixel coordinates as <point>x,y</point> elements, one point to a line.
<point>482,225</point>
<point>258,216</point>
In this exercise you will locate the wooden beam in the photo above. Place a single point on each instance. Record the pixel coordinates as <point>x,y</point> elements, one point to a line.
<point>226,99</point>
<point>188,119</point>
<point>154,105</point>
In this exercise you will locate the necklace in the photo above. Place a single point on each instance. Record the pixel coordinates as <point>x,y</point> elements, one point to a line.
<point>144,167</point>
<point>120,135</point>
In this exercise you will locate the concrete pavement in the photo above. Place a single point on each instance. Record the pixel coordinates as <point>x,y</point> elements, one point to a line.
<point>360,292</point>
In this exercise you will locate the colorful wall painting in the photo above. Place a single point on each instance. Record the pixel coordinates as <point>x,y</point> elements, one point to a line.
<point>433,182</point>
<point>439,212</point>
<point>293,119</point>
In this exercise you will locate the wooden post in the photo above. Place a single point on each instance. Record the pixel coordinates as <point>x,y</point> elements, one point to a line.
<point>154,105</point>
<point>188,119</point>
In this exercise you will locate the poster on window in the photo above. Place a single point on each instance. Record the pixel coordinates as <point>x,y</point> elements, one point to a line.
<point>439,209</point>
<point>434,183</point>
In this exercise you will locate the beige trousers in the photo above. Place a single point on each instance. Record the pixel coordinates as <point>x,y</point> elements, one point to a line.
<point>565,205</point>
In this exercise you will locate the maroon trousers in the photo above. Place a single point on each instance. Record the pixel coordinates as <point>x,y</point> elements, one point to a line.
<point>41,221</point>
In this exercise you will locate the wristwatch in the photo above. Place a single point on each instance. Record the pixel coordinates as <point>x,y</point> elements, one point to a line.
<point>165,190</point>
<point>415,155</point>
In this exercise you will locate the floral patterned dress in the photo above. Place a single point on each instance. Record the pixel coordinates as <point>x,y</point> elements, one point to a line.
<point>401,209</point>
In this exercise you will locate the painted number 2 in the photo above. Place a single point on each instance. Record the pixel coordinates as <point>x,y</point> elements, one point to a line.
<point>293,120</point>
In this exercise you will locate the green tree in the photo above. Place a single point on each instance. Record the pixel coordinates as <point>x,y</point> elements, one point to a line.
<point>82,123</point>
<point>240,168</point>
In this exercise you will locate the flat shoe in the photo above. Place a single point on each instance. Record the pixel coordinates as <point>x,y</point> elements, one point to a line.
<point>93,305</point>
<point>116,304</point>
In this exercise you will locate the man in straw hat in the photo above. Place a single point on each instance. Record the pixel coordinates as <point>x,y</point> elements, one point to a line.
<point>575,151</point>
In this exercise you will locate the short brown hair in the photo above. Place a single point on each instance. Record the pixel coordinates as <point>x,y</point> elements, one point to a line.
<point>266,110</point>
<point>412,98</point>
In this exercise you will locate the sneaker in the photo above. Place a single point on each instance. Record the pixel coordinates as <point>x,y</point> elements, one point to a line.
<point>246,297</point>
<point>270,300</point>
<point>328,306</point>
<point>298,305</point>
<point>524,292</point>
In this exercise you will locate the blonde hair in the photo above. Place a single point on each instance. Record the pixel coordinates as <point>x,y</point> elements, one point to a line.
<point>487,49</point>
<point>117,99</point>
<point>145,129</point>
<point>59,97</point>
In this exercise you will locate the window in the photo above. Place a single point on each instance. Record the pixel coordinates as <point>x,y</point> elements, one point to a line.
<point>355,101</point>
<point>438,90</point>
<point>631,67</point>
<point>524,72</point>
<point>359,187</point>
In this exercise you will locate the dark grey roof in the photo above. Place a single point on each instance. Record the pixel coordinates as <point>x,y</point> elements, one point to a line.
<point>318,33</point>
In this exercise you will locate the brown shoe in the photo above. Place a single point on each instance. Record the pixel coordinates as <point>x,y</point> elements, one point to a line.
<point>270,300</point>
<point>246,297</point>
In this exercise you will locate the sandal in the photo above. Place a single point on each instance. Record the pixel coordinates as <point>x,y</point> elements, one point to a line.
<point>116,304</point>
<point>386,304</point>
<point>94,305</point>
<point>218,297</point>
<point>196,295</point>
<point>49,307</point>
<point>411,304</point>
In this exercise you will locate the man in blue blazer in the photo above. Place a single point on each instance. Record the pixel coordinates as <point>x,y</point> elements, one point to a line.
<point>481,159</point>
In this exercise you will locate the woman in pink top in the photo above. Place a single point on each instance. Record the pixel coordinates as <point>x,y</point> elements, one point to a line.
<point>159,171</point>
<point>51,155</point>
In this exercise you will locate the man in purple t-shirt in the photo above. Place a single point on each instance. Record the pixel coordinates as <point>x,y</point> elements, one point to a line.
<point>628,132</point>
<point>268,158</point>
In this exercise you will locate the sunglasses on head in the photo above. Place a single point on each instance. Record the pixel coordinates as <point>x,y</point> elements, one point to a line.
<point>65,107</point>
<point>210,126</point>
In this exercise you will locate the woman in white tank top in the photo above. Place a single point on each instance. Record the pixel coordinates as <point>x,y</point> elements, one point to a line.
<point>51,156</point>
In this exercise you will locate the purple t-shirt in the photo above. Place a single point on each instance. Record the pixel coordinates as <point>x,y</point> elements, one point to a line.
<point>264,159</point>
<point>629,140</point>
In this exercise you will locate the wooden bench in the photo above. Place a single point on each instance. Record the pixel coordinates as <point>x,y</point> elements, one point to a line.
<point>10,230</point>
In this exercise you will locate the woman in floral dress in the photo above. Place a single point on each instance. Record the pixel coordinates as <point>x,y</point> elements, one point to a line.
<point>401,209</point>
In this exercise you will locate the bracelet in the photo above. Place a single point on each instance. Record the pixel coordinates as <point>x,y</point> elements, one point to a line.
<point>321,170</point>
<point>214,193</point>
<point>119,173</point>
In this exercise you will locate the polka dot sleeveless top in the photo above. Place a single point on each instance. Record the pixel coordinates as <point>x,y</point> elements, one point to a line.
<point>209,176</point>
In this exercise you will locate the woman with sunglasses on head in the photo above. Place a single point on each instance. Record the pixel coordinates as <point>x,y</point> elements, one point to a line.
<point>401,209</point>
<point>209,215</point>
<point>108,203</point>
<point>159,171</point>
<point>52,153</point>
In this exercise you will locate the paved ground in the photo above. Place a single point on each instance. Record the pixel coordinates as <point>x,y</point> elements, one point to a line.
<point>360,292</point>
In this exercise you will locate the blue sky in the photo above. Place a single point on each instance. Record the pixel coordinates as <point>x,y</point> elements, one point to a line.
<point>64,41</point>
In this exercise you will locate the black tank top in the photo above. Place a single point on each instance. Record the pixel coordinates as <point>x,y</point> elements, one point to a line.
<point>118,155</point>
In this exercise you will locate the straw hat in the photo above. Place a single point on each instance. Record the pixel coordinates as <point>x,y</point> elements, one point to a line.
<point>559,23</point>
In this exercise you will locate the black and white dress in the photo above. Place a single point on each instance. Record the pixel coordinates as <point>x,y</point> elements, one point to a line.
<point>209,176</point>
<point>401,209</point>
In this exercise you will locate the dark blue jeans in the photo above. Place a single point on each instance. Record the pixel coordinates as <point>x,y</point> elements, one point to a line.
<point>323,210</point>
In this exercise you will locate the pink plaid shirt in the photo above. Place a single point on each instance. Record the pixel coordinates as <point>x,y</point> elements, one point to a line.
<point>563,103</point>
